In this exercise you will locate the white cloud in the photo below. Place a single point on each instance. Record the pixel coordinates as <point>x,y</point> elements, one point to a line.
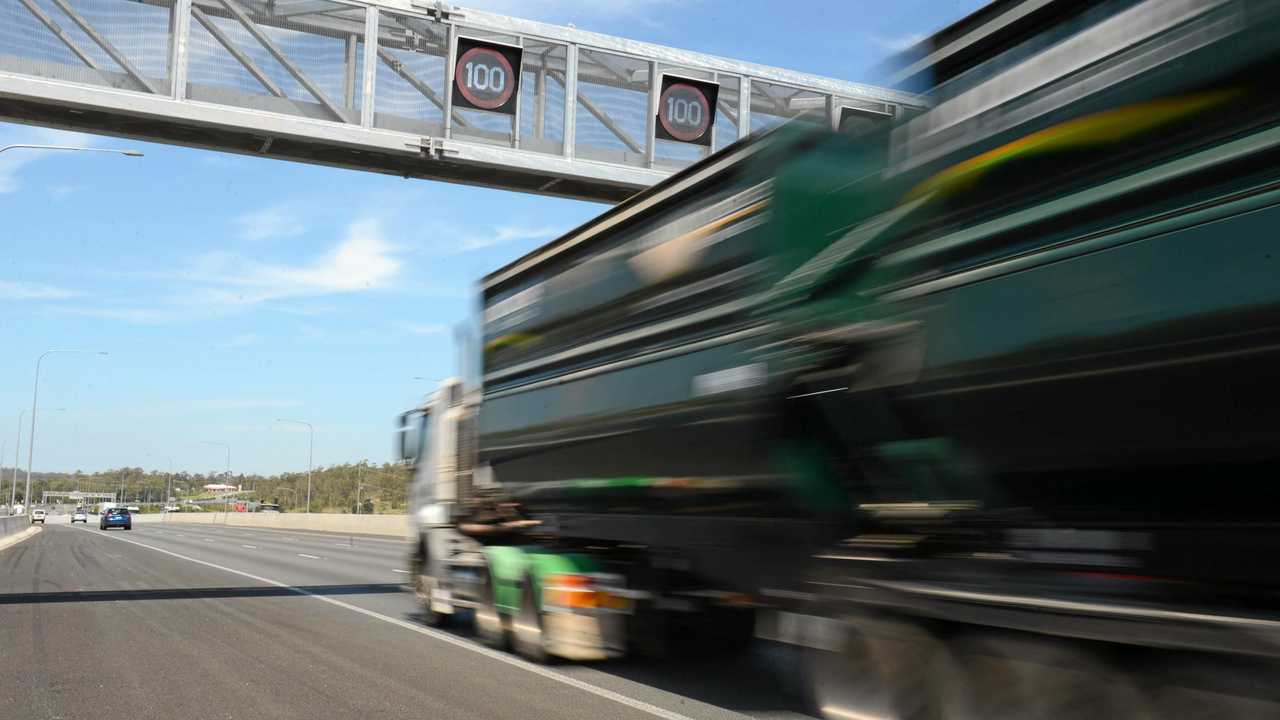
<point>33,291</point>
<point>269,223</point>
<point>219,283</point>
<point>566,10</point>
<point>186,407</point>
<point>250,403</point>
<point>897,44</point>
<point>217,159</point>
<point>12,161</point>
<point>505,234</point>
<point>362,261</point>
<point>135,316</point>
<point>311,332</point>
<point>239,341</point>
<point>423,328</point>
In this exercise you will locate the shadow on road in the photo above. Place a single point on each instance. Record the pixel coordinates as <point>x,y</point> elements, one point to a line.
<point>762,679</point>
<point>255,591</point>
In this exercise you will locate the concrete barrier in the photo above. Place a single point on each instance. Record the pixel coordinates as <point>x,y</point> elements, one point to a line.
<point>17,523</point>
<point>15,529</point>
<point>384,525</point>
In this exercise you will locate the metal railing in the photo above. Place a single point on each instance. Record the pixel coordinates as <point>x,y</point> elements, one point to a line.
<point>315,76</point>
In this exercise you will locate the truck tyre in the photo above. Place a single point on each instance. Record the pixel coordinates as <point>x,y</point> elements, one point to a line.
<point>884,668</point>
<point>1013,676</point>
<point>490,626</point>
<point>1206,687</point>
<point>423,589</point>
<point>528,635</point>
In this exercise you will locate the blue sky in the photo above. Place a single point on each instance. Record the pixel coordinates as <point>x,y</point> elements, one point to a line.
<point>231,291</point>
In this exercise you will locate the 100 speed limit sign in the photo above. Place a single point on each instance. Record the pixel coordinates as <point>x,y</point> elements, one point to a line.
<point>486,76</point>
<point>686,110</point>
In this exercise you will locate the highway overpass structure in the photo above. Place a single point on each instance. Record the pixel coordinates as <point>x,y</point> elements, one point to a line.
<point>378,86</point>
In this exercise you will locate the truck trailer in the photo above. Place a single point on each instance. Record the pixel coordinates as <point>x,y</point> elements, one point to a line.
<point>978,407</point>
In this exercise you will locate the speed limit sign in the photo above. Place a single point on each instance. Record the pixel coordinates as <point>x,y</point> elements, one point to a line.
<point>486,75</point>
<point>686,110</point>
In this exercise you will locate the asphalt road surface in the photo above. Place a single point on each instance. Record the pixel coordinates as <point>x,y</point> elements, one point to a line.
<point>198,621</point>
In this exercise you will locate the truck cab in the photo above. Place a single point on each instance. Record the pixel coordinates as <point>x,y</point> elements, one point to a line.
<point>519,591</point>
<point>434,439</point>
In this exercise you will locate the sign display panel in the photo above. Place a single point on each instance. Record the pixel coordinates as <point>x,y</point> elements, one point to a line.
<point>486,76</point>
<point>856,120</point>
<point>686,110</point>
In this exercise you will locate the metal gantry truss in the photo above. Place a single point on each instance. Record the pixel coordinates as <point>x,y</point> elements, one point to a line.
<point>76,495</point>
<point>367,85</point>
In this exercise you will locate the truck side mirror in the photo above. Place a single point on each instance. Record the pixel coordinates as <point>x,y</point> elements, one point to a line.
<point>406,438</point>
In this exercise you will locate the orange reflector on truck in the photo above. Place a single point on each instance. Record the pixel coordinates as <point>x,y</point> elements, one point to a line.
<point>576,592</point>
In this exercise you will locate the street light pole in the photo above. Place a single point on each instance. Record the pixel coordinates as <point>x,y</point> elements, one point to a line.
<point>358,468</point>
<point>311,446</point>
<point>168,480</point>
<point>35,394</point>
<point>13,489</point>
<point>129,153</point>
<point>17,448</point>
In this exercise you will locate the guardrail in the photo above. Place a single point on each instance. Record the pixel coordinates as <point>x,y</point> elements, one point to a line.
<point>384,525</point>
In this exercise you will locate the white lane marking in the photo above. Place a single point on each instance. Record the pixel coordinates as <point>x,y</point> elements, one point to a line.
<point>251,547</point>
<point>498,655</point>
<point>406,572</point>
<point>313,557</point>
<point>209,540</point>
<point>342,545</point>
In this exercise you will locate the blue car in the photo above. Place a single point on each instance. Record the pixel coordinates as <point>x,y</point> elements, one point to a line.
<point>115,517</point>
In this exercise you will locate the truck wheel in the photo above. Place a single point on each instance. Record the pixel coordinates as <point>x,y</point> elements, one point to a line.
<point>1192,687</point>
<point>1012,676</point>
<point>424,588</point>
<point>884,668</point>
<point>529,636</point>
<point>490,627</point>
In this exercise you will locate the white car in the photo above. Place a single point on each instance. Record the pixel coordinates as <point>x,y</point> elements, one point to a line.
<point>37,516</point>
<point>80,516</point>
<point>172,508</point>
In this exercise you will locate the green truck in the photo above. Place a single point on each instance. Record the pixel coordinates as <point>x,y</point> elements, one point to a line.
<point>978,406</point>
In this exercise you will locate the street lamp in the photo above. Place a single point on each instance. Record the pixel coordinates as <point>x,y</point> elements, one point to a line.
<point>228,475</point>
<point>358,486</point>
<point>130,153</point>
<point>35,394</point>
<point>311,446</point>
<point>17,448</point>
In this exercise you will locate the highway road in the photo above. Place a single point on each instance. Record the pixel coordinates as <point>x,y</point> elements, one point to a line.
<point>198,621</point>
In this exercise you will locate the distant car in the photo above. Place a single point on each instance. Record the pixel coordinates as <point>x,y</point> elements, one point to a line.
<point>134,509</point>
<point>172,508</point>
<point>115,517</point>
<point>268,508</point>
<point>80,516</point>
<point>37,516</point>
